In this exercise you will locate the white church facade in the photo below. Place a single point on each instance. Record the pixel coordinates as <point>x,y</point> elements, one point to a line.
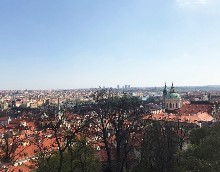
<point>172,100</point>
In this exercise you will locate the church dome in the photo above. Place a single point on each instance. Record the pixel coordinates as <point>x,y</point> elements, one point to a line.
<point>172,100</point>
<point>173,96</point>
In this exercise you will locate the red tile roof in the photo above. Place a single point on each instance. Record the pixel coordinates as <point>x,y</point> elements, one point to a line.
<point>199,117</point>
<point>195,108</point>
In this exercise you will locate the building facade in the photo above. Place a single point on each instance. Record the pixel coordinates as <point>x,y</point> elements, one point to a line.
<point>172,100</point>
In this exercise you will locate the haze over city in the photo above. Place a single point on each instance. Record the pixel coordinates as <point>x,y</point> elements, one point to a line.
<point>81,44</point>
<point>109,85</point>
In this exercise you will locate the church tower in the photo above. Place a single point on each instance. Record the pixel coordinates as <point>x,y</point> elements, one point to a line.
<point>59,114</point>
<point>172,89</point>
<point>164,96</point>
<point>165,90</point>
<point>58,102</point>
<point>172,100</point>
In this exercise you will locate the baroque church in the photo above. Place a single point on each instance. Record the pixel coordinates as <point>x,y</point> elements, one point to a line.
<point>171,99</point>
<point>195,112</point>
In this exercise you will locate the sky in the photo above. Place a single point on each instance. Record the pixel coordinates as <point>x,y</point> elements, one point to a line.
<point>54,44</point>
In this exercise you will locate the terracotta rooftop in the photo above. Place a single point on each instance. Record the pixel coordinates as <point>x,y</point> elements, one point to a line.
<point>195,118</point>
<point>195,108</point>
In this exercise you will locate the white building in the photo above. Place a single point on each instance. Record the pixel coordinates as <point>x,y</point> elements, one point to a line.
<point>172,100</point>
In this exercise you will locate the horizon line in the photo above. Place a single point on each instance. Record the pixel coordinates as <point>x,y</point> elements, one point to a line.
<point>103,87</point>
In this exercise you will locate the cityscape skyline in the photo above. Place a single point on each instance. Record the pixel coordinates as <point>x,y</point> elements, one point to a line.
<point>75,44</point>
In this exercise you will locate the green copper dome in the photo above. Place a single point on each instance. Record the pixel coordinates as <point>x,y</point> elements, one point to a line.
<point>173,96</point>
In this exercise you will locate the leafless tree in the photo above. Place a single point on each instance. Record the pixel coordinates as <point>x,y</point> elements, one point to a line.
<point>11,147</point>
<point>116,118</point>
<point>64,132</point>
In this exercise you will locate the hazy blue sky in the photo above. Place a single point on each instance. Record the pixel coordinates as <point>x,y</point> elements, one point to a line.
<point>48,44</point>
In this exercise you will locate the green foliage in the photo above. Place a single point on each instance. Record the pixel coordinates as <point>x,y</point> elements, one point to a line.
<point>83,158</point>
<point>158,148</point>
<point>79,158</point>
<point>49,166</point>
<point>204,153</point>
<point>197,135</point>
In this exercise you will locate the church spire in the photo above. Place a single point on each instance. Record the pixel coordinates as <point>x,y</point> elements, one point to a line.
<point>172,89</point>
<point>59,114</point>
<point>165,90</point>
<point>58,104</point>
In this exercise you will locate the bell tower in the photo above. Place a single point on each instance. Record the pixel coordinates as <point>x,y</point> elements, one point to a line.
<point>172,89</point>
<point>172,100</point>
<point>164,96</point>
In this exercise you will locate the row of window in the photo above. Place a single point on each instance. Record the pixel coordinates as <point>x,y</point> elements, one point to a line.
<point>172,106</point>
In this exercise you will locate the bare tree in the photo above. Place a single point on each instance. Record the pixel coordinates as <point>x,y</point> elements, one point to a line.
<point>116,118</point>
<point>64,132</point>
<point>11,147</point>
<point>43,153</point>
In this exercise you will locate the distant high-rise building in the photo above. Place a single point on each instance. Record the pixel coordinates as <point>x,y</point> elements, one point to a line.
<point>127,86</point>
<point>118,86</point>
